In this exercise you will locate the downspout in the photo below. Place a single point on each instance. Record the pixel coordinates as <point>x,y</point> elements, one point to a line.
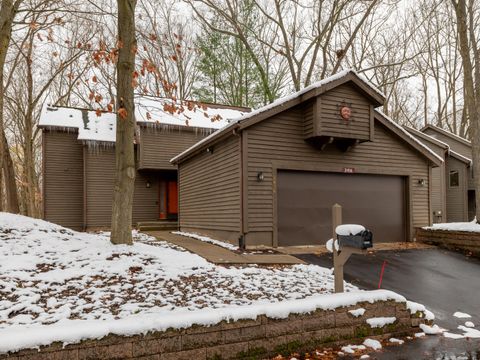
<point>84,160</point>
<point>241,239</point>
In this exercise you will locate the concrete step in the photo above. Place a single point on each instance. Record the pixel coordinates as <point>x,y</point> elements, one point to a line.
<point>157,225</point>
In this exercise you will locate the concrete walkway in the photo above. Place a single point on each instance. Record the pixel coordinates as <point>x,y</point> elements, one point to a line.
<point>219,255</point>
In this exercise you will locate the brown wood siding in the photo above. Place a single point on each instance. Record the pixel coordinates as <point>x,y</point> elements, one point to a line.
<point>158,146</point>
<point>308,119</point>
<point>438,194</point>
<point>332,124</point>
<point>471,183</point>
<point>438,188</point>
<point>457,197</point>
<point>63,179</point>
<point>210,187</point>
<point>100,175</point>
<point>278,143</point>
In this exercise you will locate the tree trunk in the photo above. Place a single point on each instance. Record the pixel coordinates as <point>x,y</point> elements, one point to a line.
<point>124,149</point>
<point>472,104</point>
<point>8,11</point>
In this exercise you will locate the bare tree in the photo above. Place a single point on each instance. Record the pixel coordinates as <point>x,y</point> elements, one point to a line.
<point>469,47</point>
<point>8,10</point>
<point>124,149</point>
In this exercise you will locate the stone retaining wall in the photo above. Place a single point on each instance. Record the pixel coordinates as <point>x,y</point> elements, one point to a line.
<point>245,339</point>
<point>464,241</point>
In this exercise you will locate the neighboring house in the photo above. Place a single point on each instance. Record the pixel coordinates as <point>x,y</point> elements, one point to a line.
<point>271,177</point>
<point>79,160</point>
<point>458,192</point>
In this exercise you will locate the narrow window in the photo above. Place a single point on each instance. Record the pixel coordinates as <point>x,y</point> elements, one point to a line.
<point>454,178</point>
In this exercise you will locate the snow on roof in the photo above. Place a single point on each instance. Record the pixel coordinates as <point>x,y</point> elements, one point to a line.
<point>279,103</point>
<point>148,110</point>
<point>448,133</point>
<point>427,137</point>
<point>460,157</point>
<point>440,143</point>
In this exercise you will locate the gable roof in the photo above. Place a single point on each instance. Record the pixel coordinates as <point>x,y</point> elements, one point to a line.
<point>439,143</point>
<point>460,157</point>
<point>301,96</point>
<point>427,137</point>
<point>148,111</point>
<point>447,133</point>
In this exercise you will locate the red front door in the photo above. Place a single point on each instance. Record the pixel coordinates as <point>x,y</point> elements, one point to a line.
<point>168,199</point>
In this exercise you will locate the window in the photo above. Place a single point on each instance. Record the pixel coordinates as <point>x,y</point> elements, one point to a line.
<point>454,178</point>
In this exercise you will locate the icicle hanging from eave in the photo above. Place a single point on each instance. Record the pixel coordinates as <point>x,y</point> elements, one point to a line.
<point>96,147</point>
<point>153,127</point>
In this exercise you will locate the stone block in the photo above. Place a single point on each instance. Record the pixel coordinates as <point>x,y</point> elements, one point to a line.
<point>244,334</point>
<point>243,323</point>
<point>119,351</point>
<point>148,357</point>
<point>195,354</point>
<point>192,341</point>
<point>157,346</point>
<point>347,319</point>
<point>268,343</point>
<point>320,321</point>
<point>282,327</point>
<point>52,355</point>
<point>228,351</point>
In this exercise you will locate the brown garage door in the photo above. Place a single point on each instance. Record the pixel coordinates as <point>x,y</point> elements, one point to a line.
<point>305,200</point>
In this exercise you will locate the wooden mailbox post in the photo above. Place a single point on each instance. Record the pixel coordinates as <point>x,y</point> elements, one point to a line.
<point>341,255</point>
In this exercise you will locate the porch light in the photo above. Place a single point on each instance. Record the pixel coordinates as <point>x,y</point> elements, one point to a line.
<point>148,185</point>
<point>260,177</point>
<point>210,150</point>
<point>421,182</point>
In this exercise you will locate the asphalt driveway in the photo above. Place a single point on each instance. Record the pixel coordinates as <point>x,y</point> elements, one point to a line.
<point>444,281</point>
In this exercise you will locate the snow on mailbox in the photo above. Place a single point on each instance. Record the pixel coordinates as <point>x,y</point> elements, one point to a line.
<point>354,236</point>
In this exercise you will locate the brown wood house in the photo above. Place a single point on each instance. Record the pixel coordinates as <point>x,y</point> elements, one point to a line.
<point>271,177</point>
<point>453,192</point>
<point>79,160</point>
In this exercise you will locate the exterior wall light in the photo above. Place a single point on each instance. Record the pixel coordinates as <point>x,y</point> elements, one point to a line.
<point>148,185</point>
<point>421,182</point>
<point>260,177</point>
<point>210,150</point>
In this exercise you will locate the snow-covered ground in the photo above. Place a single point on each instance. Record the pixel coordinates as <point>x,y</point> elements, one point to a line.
<point>471,226</point>
<point>60,285</point>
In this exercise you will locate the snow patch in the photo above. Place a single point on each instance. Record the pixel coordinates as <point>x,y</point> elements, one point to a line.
<point>329,245</point>
<point>379,322</point>
<point>357,312</point>
<point>374,344</point>
<point>62,285</point>
<point>461,315</point>
<point>432,330</point>
<point>452,335</point>
<point>349,229</point>
<point>350,349</point>
<point>471,226</point>
<point>396,341</point>
<point>469,324</point>
<point>419,334</point>
<point>207,240</point>
<point>469,332</point>
<point>414,307</point>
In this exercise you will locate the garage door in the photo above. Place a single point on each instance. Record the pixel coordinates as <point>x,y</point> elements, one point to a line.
<point>305,202</point>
